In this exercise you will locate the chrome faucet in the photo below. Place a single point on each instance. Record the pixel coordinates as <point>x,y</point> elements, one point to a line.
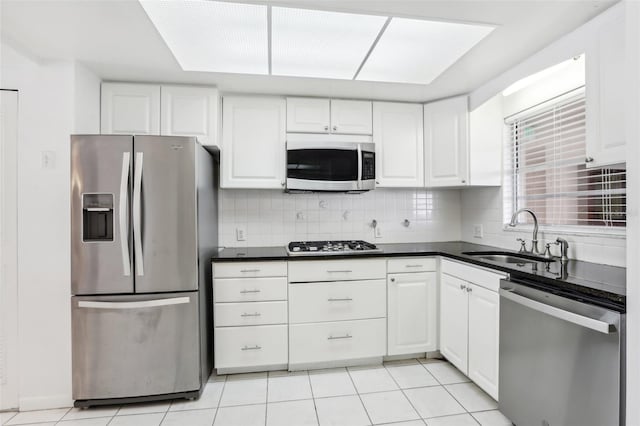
<point>534,241</point>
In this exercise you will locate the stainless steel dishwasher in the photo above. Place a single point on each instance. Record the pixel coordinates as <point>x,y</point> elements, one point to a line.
<point>561,360</point>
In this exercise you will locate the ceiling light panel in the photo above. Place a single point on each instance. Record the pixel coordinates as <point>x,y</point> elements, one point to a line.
<point>418,51</point>
<point>213,36</point>
<point>312,43</point>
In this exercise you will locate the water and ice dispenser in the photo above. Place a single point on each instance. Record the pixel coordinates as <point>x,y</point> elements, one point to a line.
<point>97,217</point>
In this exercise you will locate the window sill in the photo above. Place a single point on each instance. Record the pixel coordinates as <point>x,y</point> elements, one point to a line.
<point>578,231</point>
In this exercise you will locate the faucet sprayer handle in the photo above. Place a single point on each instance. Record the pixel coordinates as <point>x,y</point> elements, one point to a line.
<point>523,245</point>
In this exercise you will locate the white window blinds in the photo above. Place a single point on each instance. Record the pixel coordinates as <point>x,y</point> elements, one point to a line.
<point>546,170</point>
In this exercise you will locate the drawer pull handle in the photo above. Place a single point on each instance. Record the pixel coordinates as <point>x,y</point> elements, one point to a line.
<point>344,299</point>
<point>413,266</point>
<point>257,314</point>
<point>251,348</point>
<point>346,336</point>
<point>250,291</point>
<point>250,270</point>
<point>344,271</point>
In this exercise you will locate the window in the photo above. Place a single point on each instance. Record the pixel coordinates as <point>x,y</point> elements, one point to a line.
<point>546,170</point>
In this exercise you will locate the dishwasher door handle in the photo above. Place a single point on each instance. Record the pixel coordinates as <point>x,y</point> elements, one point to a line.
<point>581,320</point>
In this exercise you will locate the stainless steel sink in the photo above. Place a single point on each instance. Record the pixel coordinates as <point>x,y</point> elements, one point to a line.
<point>508,257</point>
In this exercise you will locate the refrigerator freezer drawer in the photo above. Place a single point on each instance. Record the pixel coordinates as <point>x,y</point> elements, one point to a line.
<point>134,345</point>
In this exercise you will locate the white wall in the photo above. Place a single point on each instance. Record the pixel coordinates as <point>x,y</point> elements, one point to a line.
<point>274,218</point>
<point>48,92</point>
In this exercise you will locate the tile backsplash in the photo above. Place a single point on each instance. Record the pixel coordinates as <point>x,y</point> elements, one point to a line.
<point>274,218</point>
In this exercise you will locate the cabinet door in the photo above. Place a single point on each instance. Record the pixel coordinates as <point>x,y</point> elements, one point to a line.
<point>190,111</point>
<point>446,142</point>
<point>351,117</point>
<point>454,316</point>
<point>308,115</point>
<point>605,92</point>
<point>130,109</point>
<point>412,313</point>
<point>399,137</point>
<point>484,327</point>
<point>253,142</point>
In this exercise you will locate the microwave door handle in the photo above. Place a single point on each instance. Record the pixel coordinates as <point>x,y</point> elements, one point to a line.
<point>359,180</point>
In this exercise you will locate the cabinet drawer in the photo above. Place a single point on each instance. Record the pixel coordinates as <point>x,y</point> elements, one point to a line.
<point>337,270</point>
<point>340,340</point>
<point>334,301</point>
<point>480,276</point>
<point>249,289</point>
<point>411,264</point>
<point>250,346</point>
<point>249,269</point>
<point>250,313</point>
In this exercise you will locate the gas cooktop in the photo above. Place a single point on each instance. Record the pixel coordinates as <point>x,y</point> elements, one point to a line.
<point>323,248</point>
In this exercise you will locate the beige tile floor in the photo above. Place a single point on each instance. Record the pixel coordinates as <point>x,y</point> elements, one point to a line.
<point>408,393</point>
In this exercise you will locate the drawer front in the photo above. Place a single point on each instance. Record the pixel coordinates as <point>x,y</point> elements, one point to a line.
<point>480,276</point>
<point>249,313</point>
<point>340,340</point>
<point>249,289</point>
<point>250,346</point>
<point>335,301</point>
<point>337,270</point>
<point>249,269</point>
<point>411,264</point>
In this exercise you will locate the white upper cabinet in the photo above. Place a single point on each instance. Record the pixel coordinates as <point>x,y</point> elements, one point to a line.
<point>190,111</point>
<point>253,142</point>
<point>351,117</point>
<point>399,137</point>
<point>130,109</point>
<point>412,313</point>
<point>486,130</point>
<point>606,91</point>
<point>446,137</point>
<point>308,115</point>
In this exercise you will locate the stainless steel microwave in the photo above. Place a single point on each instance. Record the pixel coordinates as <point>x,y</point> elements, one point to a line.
<point>338,163</point>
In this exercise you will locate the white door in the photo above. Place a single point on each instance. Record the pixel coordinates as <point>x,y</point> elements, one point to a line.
<point>308,115</point>
<point>253,142</point>
<point>484,329</point>
<point>130,109</point>
<point>399,137</point>
<point>412,313</point>
<point>454,316</point>
<point>605,87</point>
<point>190,111</point>
<point>8,250</point>
<point>446,139</point>
<point>351,117</point>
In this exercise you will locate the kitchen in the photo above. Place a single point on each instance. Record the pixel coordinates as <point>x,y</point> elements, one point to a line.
<point>420,336</point>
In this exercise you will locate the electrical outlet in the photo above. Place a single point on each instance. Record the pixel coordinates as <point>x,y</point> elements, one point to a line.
<point>241,234</point>
<point>477,231</point>
<point>378,231</point>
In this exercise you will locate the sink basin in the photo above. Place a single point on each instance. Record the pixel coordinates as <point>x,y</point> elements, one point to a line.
<point>507,257</point>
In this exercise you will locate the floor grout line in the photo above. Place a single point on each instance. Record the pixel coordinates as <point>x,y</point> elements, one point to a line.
<point>224,385</point>
<point>359,397</point>
<point>313,397</point>
<point>405,395</point>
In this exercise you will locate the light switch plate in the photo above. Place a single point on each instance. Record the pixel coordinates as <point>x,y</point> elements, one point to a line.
<point>477,231</point>
<point>378,231</point>
<point>241,233</point>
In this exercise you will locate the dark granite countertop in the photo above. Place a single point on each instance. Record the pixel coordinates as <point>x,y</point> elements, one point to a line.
<point>592,282</point>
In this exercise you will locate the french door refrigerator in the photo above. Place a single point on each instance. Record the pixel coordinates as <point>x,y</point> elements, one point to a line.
<point>143,230</point>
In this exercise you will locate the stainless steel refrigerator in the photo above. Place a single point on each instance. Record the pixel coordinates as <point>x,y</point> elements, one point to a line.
<point>143,230</point>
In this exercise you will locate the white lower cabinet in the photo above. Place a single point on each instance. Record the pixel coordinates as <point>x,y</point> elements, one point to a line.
<point>412,314</point>
<point>247,347</point>
<point>470,322</point>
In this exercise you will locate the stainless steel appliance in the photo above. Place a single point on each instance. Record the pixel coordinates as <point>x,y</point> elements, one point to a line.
<point>561,360</point>
<point>340,163</point>
<point>143,228</point>
<point>323,248</point>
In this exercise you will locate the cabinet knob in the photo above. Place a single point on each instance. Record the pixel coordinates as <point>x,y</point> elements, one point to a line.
<point>588,160</point>
<point>464,181</point>
<point>282,183</point>
<point>335,128</point>
<point>393,280</point>
<point>326,128</point>
<point>469,289</point>
<point>462,286</point>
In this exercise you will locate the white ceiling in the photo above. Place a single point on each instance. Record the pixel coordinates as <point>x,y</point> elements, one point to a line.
<point>116,39</point>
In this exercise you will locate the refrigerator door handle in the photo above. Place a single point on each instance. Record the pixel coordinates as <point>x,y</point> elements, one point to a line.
<point>133,305</point>
<point>124,213</point>
<point>137,214</point>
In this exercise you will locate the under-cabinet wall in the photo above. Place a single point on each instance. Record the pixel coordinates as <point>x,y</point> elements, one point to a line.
<point>274,218</point>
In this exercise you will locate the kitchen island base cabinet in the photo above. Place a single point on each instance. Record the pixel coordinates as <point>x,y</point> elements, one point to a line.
<point>336,341</point>
<point>258,348</point>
